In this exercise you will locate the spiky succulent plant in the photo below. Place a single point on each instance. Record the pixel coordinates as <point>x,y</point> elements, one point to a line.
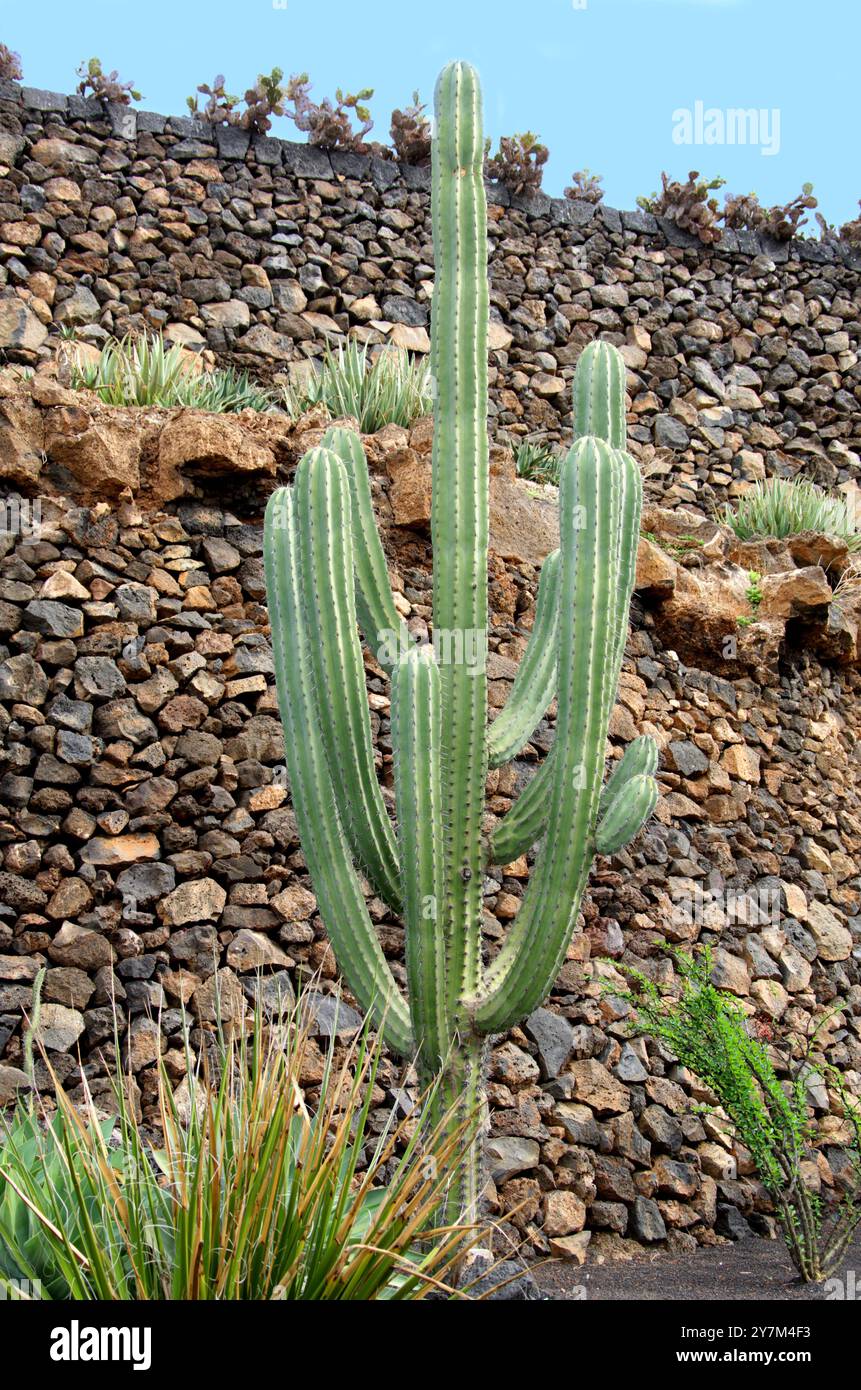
<point>326,578</point>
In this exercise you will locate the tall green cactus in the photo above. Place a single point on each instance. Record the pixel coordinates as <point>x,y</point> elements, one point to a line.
<point>326,578</point>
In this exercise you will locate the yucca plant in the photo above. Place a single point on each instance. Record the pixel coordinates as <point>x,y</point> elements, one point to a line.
<point>782,507</point>
<point>391,389</point>
<point>707,1031</point>
<point>250,1194</point>
<point>143,370</point>
<point>326,571</point>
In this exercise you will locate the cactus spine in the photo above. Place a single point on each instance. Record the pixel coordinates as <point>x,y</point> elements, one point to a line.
<point>326,578</point>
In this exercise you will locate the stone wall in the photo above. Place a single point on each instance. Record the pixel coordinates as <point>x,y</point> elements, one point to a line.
<point>149,851</point>
<point>150,854</point>
<point>743,358</point>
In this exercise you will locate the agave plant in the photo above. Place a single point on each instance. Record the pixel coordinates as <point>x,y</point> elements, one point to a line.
<point>786,507</point>
<point>143,370</point>
<point>391,389</point>
<point>326,571</point>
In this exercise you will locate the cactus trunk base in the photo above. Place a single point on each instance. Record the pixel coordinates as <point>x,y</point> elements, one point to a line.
<point>459,1103</point>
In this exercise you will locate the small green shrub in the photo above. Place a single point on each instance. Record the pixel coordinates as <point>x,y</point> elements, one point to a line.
<point>393,389</point>
<point>144,371</point>
<point>538,462</point>
<point>782,222</point>
<point>326,124</point>
<point>249,1194</point>
<point>586,186</point>
<point>707,1031</point>
<point>518,163</point>
<point>263,101</point>
<point>787,506</point>
<point>688,205</point>
<point>754,593</point>
<point>411,133</point>
<point>106,85</point>
<point>220,109</point>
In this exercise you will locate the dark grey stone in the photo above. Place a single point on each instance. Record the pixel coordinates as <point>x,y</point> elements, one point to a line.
<point>232,142</point>
<point>417,177</point>
<point>638,220</point>
<point>399,309</point>
<point>554,1038</point>
<point>572,212</point>
<point>647,1224</point>
<point>266,149</point>
<point>670,433</point>
<point>307,161</point>
<point>384,172</point>
<point>350,164</point>
<point>38,100</point>
<point>151,122</point>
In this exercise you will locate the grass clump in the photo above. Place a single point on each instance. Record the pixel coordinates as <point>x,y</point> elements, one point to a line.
<point>783,507</point>
<point>771,1115</point>
<point>141,370</point>
<point>248,1193</point>
<point>391,389</point>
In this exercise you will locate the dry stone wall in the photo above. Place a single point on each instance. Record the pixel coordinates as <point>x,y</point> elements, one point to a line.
<point>150,855</point>
<point>149,850</point>
<point>743,357</point>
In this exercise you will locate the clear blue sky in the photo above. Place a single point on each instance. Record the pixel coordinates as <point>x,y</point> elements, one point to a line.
<point>598,82</point>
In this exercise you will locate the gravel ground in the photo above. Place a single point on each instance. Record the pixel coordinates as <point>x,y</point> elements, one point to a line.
<point>750,1271</point>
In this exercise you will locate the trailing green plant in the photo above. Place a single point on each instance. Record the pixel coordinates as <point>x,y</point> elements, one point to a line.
<point>10,65</point>
<point>142,370</point>
<point>326,572</point>
<point>782,507</point>
<point>389,389</point>
<point>688,205</point>
<point>781,222</point>
<point>586,186</point>
<point>708,1032</point>
<point>411,133</point>
<point>327,124</point>
<point>754,591</point>
<point>518,163</point>
<point>106,85</point>
<point>539,462</point>
<point>263,101</point>
<point>249,1194</point>
<point>220,108</point>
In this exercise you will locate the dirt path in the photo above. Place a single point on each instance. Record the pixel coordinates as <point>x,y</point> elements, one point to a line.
<point>751,1271</point>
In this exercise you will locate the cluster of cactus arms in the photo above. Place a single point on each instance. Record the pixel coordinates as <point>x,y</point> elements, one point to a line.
<point>327,579</point>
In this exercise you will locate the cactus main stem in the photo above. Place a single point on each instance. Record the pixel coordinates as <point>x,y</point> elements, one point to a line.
<point>459,513</point>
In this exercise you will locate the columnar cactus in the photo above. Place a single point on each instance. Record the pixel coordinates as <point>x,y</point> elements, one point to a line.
<point>326,577</point>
